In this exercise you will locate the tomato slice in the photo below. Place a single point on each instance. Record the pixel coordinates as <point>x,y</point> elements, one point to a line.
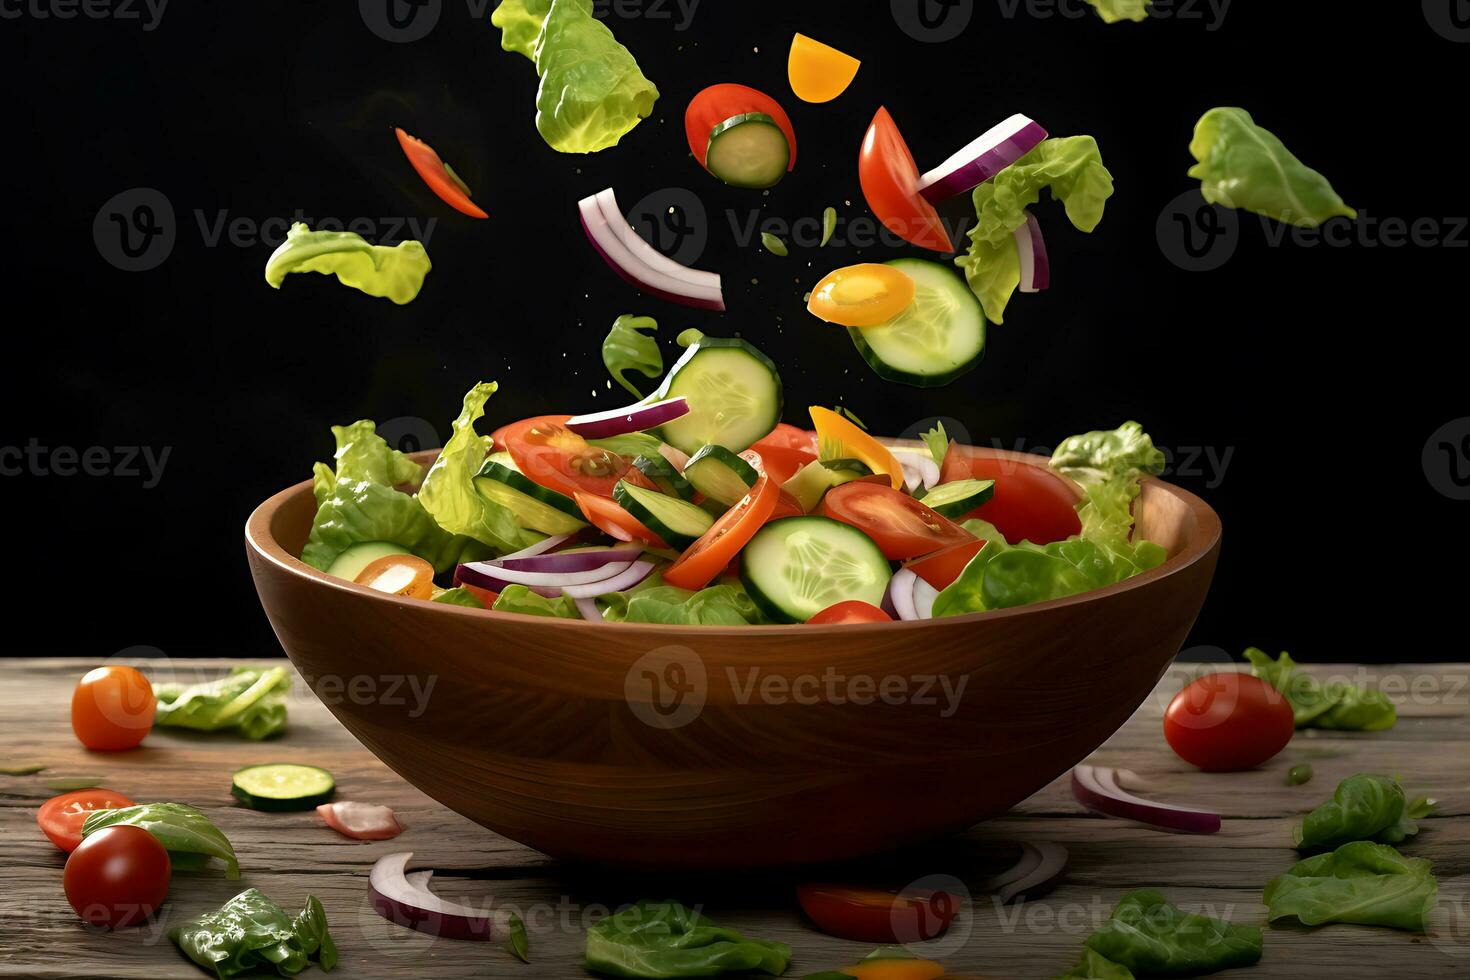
<point>890,179</point>
<point>901,526</point>
<point>841,439</point>
<point>786,506</point>
<point>789,437</point>
<point>405,575</point>
<point>1029,503</point>
<point>819,72</point>
<point>549,453</point>
<point>442,180</point>
<point>943,568</point>
<point>781,462</point>
<point>718,103</point>
<point>865,295</point>
<point>61,817</point>
<point>851,611</point>
<point>611,519</point>
<point>869,915</point>
<point>708,556</point>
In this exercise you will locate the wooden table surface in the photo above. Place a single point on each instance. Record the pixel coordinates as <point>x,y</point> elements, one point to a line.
<point>289,856</point>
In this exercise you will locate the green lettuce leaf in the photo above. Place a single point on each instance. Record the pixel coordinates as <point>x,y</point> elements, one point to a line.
<point>1151,937</point>
<point>1112,11</point>
<point>357,513</point>
<point>666,940</point>
<point>726,604</point>
<point>1363,883</point>
<point>362,454</point>
<point>459,597</point>
<point>179,828</point>
<point>1364,807</point>
<point>395,273</point>
<point>1337,706</point>
<point>1242,165</point>
<point>936,440</point>
<point>994,273</point>
<point>1095,966</point>
<point>592,93</point>
<point>251,933</point>
<point>449,495</point>
<point>627,348</point>
<point>519,599</point>
<point>247,701</point>
<point>520,24</point>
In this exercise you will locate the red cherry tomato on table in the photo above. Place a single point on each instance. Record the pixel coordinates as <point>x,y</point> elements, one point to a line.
<point>847,613</point>
<point>890,182</point>
<point>1229,721</point>
<point>61,817</point>
<point>117,877</point>
<point>869,915</point>
<point>718,103</point>
<point>555,457</point>
<point>901,526</point>
<point>112,708</point>
<point>1029,503</point>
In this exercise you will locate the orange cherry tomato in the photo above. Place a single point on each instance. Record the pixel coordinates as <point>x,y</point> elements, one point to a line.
<point>711,554</point>
<point>611,519</point>
<point>865,295</point>
<point>117,877</point>
<point>61,817</point>
<point>718,103</point>
<point>842,439</point>
<point>1029,504</point>
<point>942,568</point>
<point>819,72</point>
<point>890,179</point>
<point>869,915</point>
<point>112,708</point>
<point>788,437</point>
<point>550,454</point>
<point>440,177</point>
<point>851,611</point>
<point>901,526</point>
<point>405,575</point>
<point>782,463</point>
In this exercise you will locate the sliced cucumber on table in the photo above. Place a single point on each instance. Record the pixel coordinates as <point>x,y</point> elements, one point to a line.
<point>734,394</point>
<point>812,481</point>
<point>955,500</point>
<point>796,567</point>
<point>664,476</point>
<point>533,505</point>
<point>938,338</point>
<point>720,475</point>
<point>748,150</point>
<point>678,522</point>
<point>282,786</point>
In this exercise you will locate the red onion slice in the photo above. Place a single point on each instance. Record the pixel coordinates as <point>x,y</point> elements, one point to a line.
<point>1029,860</point>
<point>634,418</point>
<point>985,156</point>
<point>487,576</point>
<point>924,596</point>
<point>1096,787</point>
<point>588,609</point>
<point>398,900</point>
<point>565,561</point>
<point>626,579</point>
<point>901,591</point>
<point>1050,861</point>
<point>607,202</point>
<point>1035,266</point>
<point>637,274</point>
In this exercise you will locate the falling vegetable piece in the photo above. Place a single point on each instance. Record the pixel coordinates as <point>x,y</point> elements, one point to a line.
<point>1113,11</point>
<point>442,180</point>
<point>818,72</point>
<point>360,821</point>
<point>773,244</point>
<point>401,575</point>
<point>757,157</point>
<point>633,418</point>
<point>1096,787</point>
<point>865,295</point>
<point>395,273</point>
<point>985,156</point>
<point>642,266</point>
<point>628,348</point>
<point>411,904</point>
<point>837,438</point>
<point>829,226</point>
<point>890,180</point>
<point>1031,248</point>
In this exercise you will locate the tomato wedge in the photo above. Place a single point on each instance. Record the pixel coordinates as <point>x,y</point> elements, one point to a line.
<point>550,454</point>
<point>841,439</point>
<point>943,568</point>
<point>819,72</point>
<point>901,526</point>
<point>708,556</point>
<point>788,437</point>
<point>442,179</point>
<point>611,519</point>
<point>781,462</point>
<point>61,817</point>
<point>869,915</point>
<point>890,179</point>
<point>851,611</point>
<point>719,103</point>
<point>1029,503</point>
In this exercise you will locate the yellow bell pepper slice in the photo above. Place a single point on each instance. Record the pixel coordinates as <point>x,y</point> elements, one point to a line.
<point>865,295</point>
<point>837,438</point>
<point>818,72</point>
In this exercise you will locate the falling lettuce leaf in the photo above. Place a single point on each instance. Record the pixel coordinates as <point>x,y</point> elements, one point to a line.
<point>362,454</point>
<point>520,23</point>
<point>247,701</point>
<point>395,273</point>
<point>1113,11</point>
<point>361,512</point>
<point>936,440</point>
<point>627,348</point>
<point>251,933</point>
<point>1363,883</point>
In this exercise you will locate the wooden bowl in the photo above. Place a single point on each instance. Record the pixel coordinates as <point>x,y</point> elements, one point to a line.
<point>663,747</point>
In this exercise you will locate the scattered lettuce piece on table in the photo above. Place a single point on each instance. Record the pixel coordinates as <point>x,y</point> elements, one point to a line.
<point>666,940</point>
<point>1363,883</point>
<point>181,829</point>
<point>1095,966</point>
<point>1364,807</point>
<point>1151,937</point>
<point>395,273</point>
<point>1337,706</point>
<point>520,23</point>
<point>247,701</point>
<point>1242,165</point>
<point>628,348</point>
<point>519,599</point>
<point>251,933</point>
<point>1113,11</point>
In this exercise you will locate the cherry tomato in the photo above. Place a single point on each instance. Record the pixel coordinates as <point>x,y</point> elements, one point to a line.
<point>1029,503</point>
<point>869,915</point>
<point>405,575</point>
<point>890,180</point>
<point>720,102</point>
<point>117,877</point>
<point>819,72</point>
<point>901,526</point>
<point>713,552</point>
<point>942,568</point>
<point>555,457</point>
<point>780,462</point>
<point>609,517</point>
<point>789,437</point>
<point>843,439</point>
<point>440,177</point>
<point>112,708</point>
<point>851,611</point>
<point>1226,722</point>
<point>864,295</point>
<point>61,817</point>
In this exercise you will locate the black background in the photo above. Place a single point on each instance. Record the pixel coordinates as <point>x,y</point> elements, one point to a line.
<point>1321,370</point>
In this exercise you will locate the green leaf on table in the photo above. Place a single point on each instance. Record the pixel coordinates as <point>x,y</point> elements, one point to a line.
<point>179,828</point>
<point>1363,883</point>
<point>1095,966</point>
<point>248,701</point>
<point>520,946</point>
<point>70,784</point>
<point>627,348</point>
<point>1364,807</point>
<point>20,769</point>
<point>659,940</point>
<point>1336,706</point>
<point>1151,937</point>
<point>251,933</point>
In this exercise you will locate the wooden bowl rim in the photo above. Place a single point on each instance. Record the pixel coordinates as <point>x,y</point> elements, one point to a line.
<point>260,540</point>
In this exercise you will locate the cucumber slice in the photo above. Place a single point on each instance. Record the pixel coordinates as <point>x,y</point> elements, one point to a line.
<point>665,476</point>
<point>282,786</point>
<point>720,475</point>
<point>734,394</point>
<point>678,522</point>
<point>748,150</point>
<point>350,563</point>
<point>955,500</point>
<point>938,338</point>
<point>796,567</point>
<point>812,481</point>
<point>533,505</point>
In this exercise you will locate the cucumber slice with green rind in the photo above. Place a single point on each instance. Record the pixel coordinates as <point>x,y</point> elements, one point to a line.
<point>720,475</point>
<point>282,786</point>
<point>938,338</point>
<point>664,476</point>
<point>955,500</point>
<point>796,567</point>
<point>734,393</point>
<point>748,150</point>
<point>350,563</point>
<point>533,505</point>
<point>678,522</point>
